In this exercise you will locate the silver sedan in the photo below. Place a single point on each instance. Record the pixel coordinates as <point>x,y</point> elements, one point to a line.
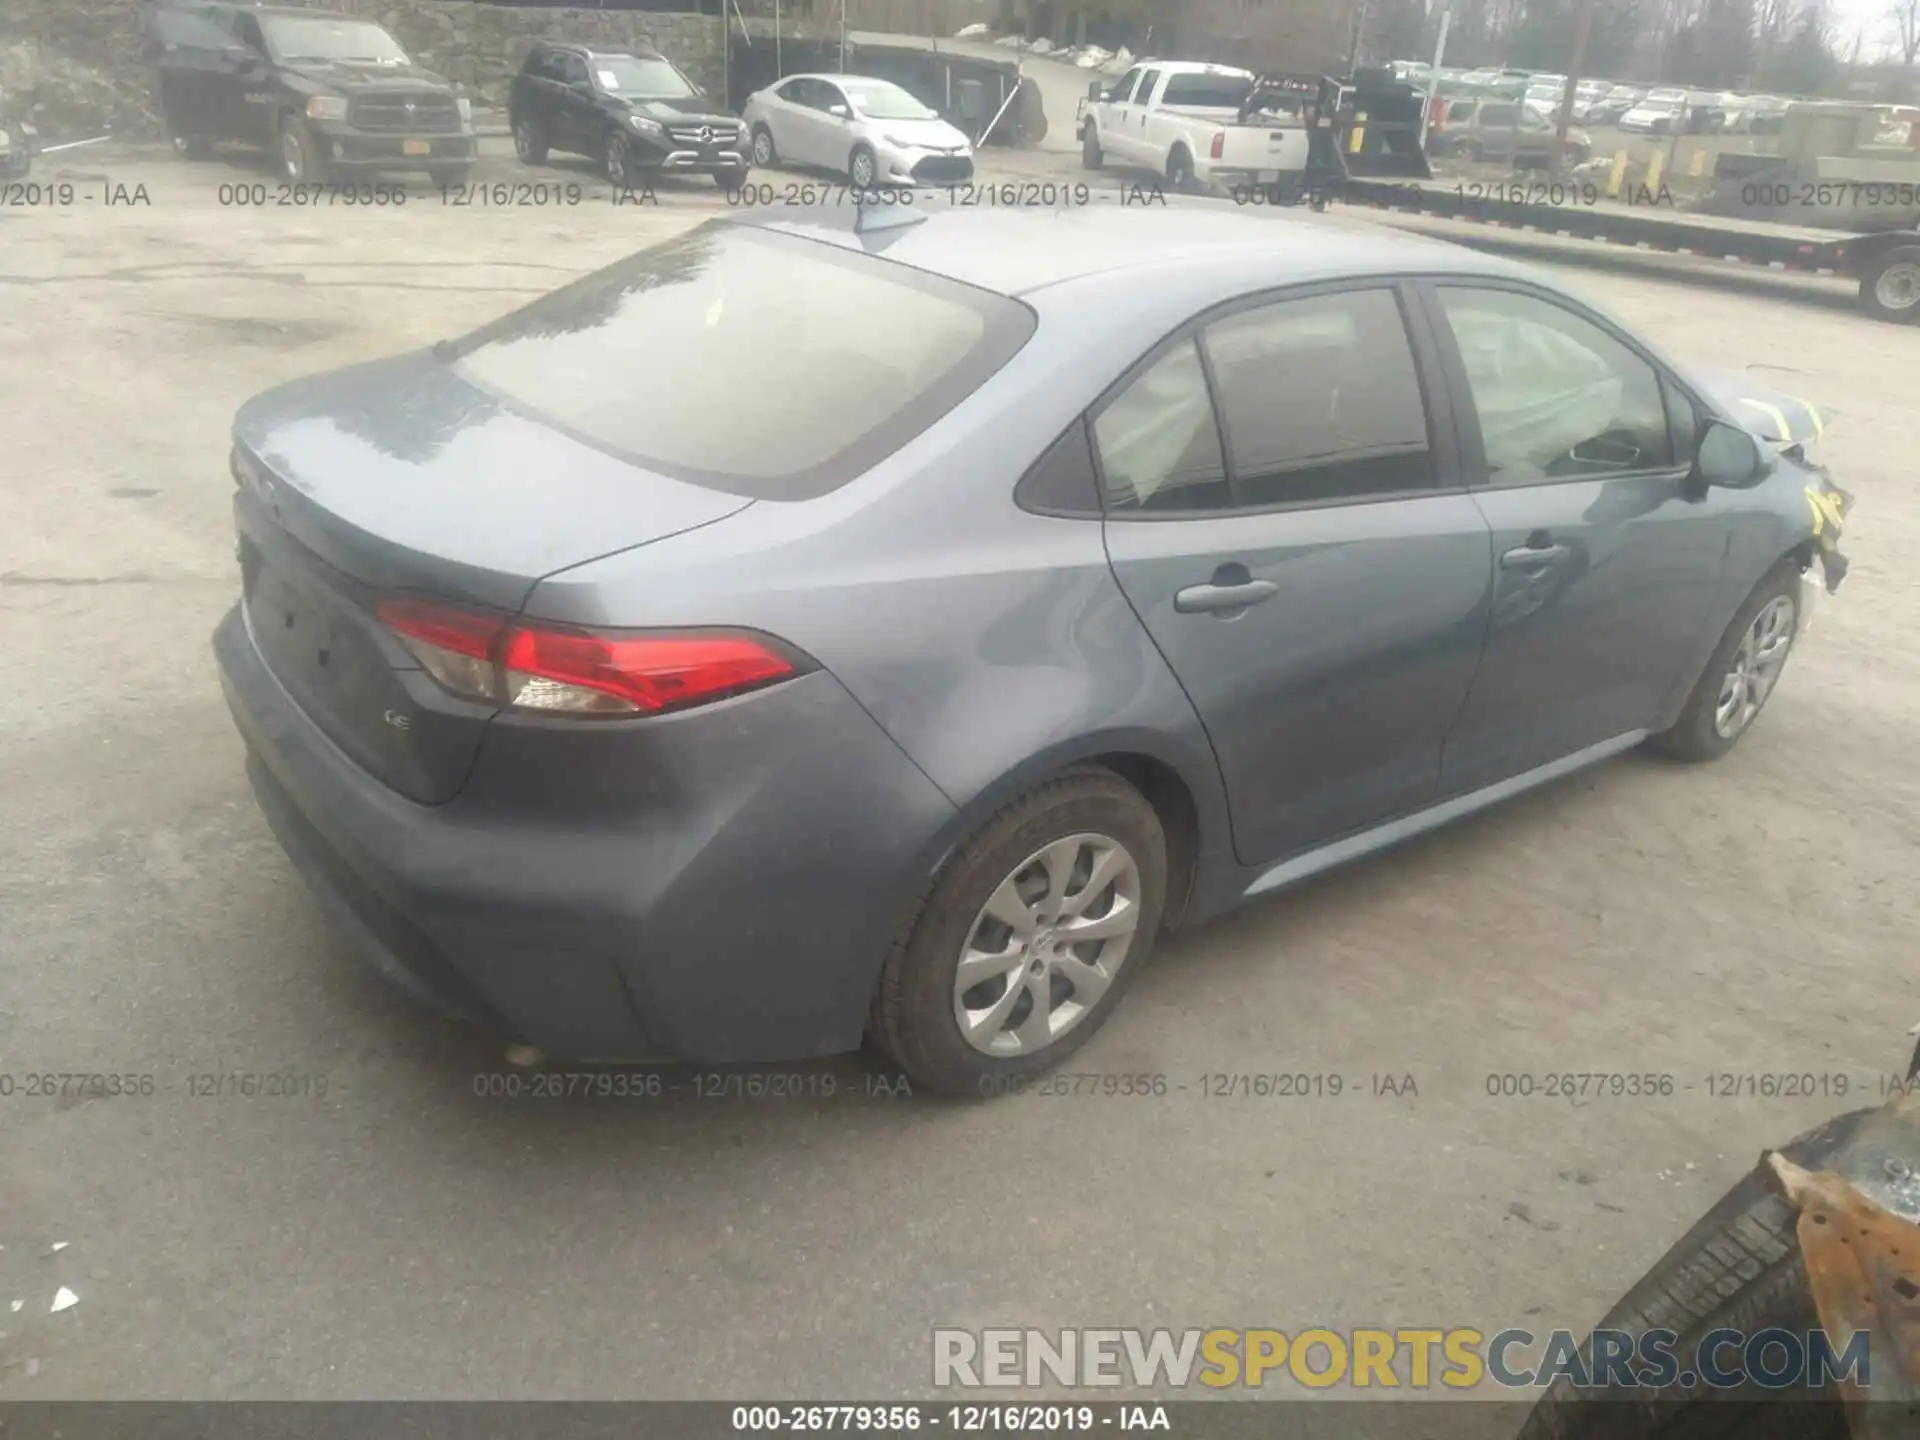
<point>871,131</point>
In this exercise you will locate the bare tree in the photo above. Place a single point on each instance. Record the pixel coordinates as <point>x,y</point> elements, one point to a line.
<point>1905,15</point>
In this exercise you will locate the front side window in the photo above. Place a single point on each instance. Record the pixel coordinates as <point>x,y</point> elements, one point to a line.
<point>1557,397</point>
<point>1159,442</point>
<point>1123,88</point>
<point>1321,400</point>
<point>756,363</point>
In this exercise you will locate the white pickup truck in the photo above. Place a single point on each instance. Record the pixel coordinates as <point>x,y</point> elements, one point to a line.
<point>1181,120</point>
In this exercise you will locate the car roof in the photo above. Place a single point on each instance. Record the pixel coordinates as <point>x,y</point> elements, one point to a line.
<point>1017,252</point>
<point>574,47</point>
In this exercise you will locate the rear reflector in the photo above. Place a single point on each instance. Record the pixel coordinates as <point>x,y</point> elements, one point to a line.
<point>558,670</point>
<point>1219,143</point>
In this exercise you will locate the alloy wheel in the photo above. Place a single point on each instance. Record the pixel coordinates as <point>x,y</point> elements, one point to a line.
<point>1756,667</point>
<point>293,156</point>
<point>1047,945</point>
<point>861,170</point>
<point>762,148</point>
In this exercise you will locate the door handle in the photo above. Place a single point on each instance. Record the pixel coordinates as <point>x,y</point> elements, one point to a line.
<point>1214,599</point>
<point>1532,557</point>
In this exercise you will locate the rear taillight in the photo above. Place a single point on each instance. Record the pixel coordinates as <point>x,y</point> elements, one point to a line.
<point>550,668</point>
<point>1219,143</point>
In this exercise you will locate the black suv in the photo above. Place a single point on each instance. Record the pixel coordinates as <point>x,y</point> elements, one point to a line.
<point>324,93</point>
<point>635,114</point>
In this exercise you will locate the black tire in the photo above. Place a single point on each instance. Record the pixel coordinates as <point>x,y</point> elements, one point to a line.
<point>617,163</point>
<point>730,181</point>
<point>1091,154</point>
<point>765,153</point>
<point>450,177</point>
<point>1179,170</point>
<point>1694,737</point>
<point>861,159</point>
<point>913,1016</point>
<point>1899,303</point>
<point>301,162</point>
<point>1739,1267</point>
<point>530,141</point>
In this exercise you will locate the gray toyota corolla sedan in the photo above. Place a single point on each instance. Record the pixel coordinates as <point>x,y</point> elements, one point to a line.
<point>823,625</point>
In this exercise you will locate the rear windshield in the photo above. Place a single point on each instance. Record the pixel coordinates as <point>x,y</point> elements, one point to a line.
<point>1202,91</point>
<point>758,363</point>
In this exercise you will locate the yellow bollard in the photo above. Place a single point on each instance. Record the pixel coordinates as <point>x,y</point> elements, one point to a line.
<point>1654,167</point>
<point>1359,133</point>
<point>1697,164</point>
<point>1616,175</point>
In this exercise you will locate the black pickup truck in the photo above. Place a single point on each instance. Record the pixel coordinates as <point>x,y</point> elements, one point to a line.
<point>325,94</point>
<point>635,114</point>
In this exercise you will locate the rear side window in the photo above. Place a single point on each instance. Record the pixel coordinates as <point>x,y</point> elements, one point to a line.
<point>1320,400</point>
<point>1499,114</point>
<point>1224,92</point>
<point>753,362</point>
<point>1159,442</point>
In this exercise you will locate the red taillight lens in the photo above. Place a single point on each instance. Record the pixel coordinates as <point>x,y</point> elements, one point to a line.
<point>1219,143</point>
<point>539,667</point>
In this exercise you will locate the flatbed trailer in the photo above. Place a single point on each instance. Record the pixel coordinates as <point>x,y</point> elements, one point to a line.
<point>1367,149</point>
<point>1886,264</point>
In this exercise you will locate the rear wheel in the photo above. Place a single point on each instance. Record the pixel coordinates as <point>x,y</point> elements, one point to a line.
<point>1743,672</point>
<point>1028,937</point>
<point>1090,153</point>
<point>1179,170</point>
<point>188,147</point>
<point>1890,290</point>
<point>730,181</point>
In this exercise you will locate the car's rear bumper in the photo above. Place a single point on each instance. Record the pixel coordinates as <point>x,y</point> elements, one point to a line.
<point>708,887</point>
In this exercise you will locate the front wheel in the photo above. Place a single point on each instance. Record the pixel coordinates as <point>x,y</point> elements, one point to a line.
<point>530,141</point>
<point>862,168</point>
<point>622,170</point>
<point>301,162</point>
<point>731,180</point>
<point>1028,938</point>
<point>1743,672</point>
<point>765,153</point>
<point>1890,289</point>
<point>1091,155</point>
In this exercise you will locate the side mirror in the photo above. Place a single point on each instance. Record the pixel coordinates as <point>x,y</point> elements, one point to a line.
<point>1730,457</point>
<point>239,57</point>
<point>840,112</point>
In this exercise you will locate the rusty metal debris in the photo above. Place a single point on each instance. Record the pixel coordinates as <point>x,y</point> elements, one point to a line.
<point>1862,1256</point>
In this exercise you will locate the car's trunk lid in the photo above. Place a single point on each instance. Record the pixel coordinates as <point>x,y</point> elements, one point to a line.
<point>400,478</point>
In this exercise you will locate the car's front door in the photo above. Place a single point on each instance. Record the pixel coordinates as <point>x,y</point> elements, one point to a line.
<point>577,120</point>
<point>247,87</point>
<point>1287,518</point>
<point>1607,557</point>
<point>1116,114</point>
<point>190,49</point>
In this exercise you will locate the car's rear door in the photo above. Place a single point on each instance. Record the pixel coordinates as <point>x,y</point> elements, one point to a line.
<point>1578,447</point>
<point>1285,513</point>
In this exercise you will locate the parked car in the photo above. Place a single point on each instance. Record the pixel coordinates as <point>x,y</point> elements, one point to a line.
<point>1608,109</point>
<point>1659,112</point>
<point>327,95</point>
<point>1181,120</point>
<point>872,131</point>
<point>634,113</point>
<point>826,622</point>
<point>1502,131</point>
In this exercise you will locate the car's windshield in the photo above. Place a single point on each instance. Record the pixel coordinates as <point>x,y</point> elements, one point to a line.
<point>642,79</point>
<point>301,37</point>
<point>756,363</point>
<point>881,100</point>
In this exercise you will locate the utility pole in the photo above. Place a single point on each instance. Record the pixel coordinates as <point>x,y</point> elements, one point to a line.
<point>1433,77</point>
<point>1359,26</point>
<point>1582,31</point>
